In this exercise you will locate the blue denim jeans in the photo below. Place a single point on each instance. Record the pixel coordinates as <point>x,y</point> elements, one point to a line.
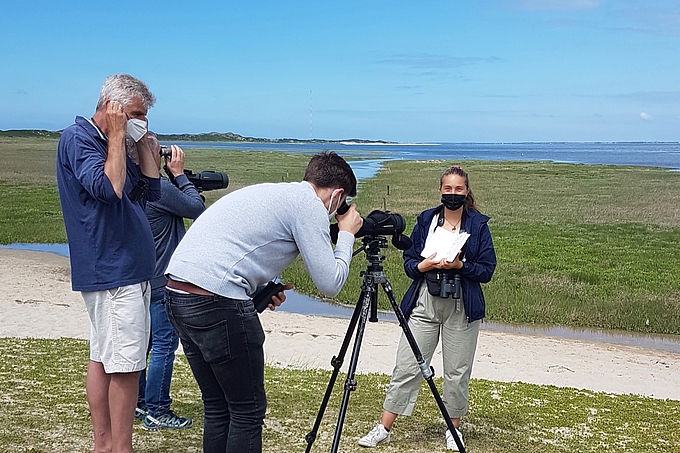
<point>223,342</point>
<point>154,382</point>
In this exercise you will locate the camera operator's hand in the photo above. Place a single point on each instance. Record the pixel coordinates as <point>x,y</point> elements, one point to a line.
<point>176,162</point>
<point>350,221</point>
<point>280,298</point>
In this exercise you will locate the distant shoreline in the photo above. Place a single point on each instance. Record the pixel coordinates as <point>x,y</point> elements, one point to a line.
<point>230,137</point>
<point>220,137</point>
<point>387,143</point>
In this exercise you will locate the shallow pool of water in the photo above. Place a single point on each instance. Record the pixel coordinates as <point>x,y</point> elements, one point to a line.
<point>301,304</point>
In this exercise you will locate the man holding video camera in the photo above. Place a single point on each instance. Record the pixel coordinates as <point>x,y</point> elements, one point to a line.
<point>179,200</point>
<point>238,244</point>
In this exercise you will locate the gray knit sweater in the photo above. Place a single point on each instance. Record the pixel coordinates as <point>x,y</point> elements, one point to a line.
<point>251,235</point>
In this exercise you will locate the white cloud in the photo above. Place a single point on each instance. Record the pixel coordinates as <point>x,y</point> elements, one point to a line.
<point>645,116</point>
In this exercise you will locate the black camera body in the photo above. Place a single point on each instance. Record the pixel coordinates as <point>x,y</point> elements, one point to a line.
<point>203,181</point>
<point>208,180</point>
<point>263,296</point>
<point>378,223</point>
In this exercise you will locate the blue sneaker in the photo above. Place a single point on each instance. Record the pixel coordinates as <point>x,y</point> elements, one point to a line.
<point>140,413</point>
<point>169,420</point>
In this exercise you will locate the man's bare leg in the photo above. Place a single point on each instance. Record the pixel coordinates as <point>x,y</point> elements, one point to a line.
<point>97,389</point>
<point>122,402</point>
<point>112,399</point>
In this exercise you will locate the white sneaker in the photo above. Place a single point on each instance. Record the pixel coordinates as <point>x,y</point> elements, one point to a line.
<point>451,443</point>
<point>378,435</point>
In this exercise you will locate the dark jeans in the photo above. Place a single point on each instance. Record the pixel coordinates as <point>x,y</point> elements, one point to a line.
<point>223,342</point>
<point>154,382</point>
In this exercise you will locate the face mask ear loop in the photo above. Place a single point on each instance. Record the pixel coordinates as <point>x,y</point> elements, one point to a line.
<point>330,204</point>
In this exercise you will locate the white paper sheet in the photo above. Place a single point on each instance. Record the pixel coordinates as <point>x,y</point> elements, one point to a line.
<point>445,243</point>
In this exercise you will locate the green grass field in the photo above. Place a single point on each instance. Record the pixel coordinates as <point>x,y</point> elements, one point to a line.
<point>44,410</point>
<point>578,245</point>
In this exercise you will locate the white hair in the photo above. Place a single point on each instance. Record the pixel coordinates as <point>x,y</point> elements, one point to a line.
<point>123,88</point>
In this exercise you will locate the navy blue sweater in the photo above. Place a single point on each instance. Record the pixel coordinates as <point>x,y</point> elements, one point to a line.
<point>478,267</point>
<point>110,242</point>
<point>166,217</point>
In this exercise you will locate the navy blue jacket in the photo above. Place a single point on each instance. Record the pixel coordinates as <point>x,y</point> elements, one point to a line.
<point>109,238</point>
<point>478,267</point>
<point>166,217</point>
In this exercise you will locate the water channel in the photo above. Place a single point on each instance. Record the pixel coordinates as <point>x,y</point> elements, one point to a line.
<point>301,304</point>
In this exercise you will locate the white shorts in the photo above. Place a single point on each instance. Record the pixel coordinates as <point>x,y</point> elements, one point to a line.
<point>119,327</point>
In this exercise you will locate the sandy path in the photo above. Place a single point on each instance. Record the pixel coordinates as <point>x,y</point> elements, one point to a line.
<point>36,301</point>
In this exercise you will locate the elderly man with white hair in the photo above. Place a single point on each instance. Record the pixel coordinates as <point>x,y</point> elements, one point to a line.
<point>102,192</point>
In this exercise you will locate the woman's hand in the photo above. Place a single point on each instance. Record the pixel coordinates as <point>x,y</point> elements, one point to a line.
<point>451,265</point>
<point>429,264</point>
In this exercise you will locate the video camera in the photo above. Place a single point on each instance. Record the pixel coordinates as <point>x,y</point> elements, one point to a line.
<point>203,181</point>
<point>378,223</point>
<point>207,180</point>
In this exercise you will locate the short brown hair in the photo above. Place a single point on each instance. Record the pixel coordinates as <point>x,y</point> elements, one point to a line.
<point>327,169</point>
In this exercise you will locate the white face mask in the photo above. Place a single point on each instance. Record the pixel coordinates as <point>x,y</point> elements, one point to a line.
<point>136,129</point>
<point>332,213</point>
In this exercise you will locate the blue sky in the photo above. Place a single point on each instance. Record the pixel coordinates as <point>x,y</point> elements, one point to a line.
<point>407,71</point>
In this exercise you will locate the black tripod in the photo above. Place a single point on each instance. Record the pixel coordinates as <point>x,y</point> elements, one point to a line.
<point>369,300</point>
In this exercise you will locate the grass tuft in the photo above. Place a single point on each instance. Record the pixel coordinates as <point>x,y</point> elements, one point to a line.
<point>44,409</point>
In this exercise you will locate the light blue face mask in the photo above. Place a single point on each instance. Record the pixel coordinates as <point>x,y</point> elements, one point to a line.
<point>136,129</point>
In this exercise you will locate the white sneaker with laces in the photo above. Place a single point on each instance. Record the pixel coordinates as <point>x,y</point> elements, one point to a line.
<point>451,443</point>
<point>378,435</point>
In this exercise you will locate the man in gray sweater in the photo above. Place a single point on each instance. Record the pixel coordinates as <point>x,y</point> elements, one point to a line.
<point>238,244</point>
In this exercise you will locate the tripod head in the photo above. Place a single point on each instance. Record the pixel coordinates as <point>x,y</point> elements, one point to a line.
<point>372,246</point>
<point>373,275</point>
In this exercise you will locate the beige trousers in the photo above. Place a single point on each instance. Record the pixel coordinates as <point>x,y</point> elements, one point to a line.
<point>431,318</point>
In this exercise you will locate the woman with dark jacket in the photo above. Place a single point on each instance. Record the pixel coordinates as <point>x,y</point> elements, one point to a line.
<point>431,316</point>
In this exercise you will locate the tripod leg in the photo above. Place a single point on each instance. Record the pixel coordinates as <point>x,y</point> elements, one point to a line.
<point>350,383</point>
<point>425,370</point>
<point>336,362</point>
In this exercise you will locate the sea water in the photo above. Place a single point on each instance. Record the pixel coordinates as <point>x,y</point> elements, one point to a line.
<point>654,154</point>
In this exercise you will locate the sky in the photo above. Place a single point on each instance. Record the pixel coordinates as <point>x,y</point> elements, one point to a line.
<point>404,71</point>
